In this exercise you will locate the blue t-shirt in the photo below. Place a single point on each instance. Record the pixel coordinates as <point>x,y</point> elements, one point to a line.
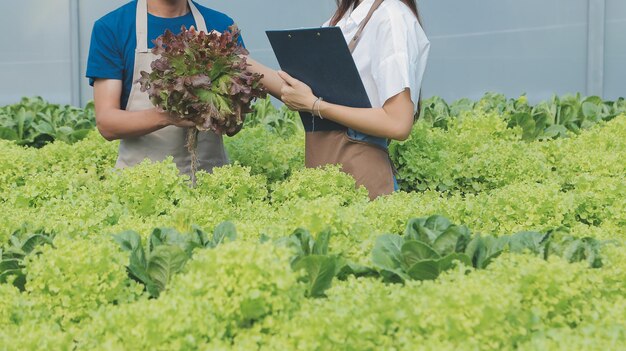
<point>114,40</point>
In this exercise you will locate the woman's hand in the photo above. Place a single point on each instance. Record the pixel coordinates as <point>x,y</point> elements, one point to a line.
<point>295,94</point>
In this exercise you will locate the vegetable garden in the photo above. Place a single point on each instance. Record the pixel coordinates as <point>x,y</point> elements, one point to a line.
<point>508,234</point>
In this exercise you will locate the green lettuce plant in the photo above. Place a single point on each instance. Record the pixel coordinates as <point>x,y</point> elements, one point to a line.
<point>311,255</point>
<point>431,246</point>
<point>35,123</point>
<point>167,253</point>
<point>23,242</point>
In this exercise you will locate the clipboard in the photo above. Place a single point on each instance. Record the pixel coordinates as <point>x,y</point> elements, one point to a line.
<point>320,58</point>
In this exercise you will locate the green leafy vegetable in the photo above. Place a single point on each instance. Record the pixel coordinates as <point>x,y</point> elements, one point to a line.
<point>22,243</point>
<point>34,122</point>
<point>167,253</point>
<point>432,245</point>
<point>311,255</point>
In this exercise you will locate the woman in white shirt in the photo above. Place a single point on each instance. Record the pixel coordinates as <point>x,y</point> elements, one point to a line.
<point>390,50</point>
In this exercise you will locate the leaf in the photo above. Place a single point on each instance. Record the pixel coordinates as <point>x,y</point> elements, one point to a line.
<point>253,309</point>
<point>8,134</point>
<point>424,270</point>
<point>476,252</point>
<point>19,278</point>
<point>44,127</point>
<point>448,262</point>
<point>574,251</point>
<point>320,272</point>
<point>163,263</point>
<point>494,248</point>
<point>205,95</point>
<point>554,131</point>
<point>594,100</point>
<point>482,250</point>
<point>321,243</point>
<point>415,251</point>
<point>591,111</point>
<point>22,121</point>
<point>427,229</point>
<point>199,236</point>
<point>137,266</point>
<point>140,273</point>
<point>592,251</point>
<point>79,134</point>
<point>33,241</point>
<point>9,264</point>
<point>448,241</point>
<point>387,252</point>
<point>224,232</point>
<point>579,250</point>
<point>128,240</point>
<point>416,230</point>
<point>65,130</point>
<point>527,123</point>
<point>303,240</point>
<point>218,69</point>
<point>350,268</point>
<point>531,241</point>
<point>438,224</point>
<point>200,81</point>
<point>166,236</point>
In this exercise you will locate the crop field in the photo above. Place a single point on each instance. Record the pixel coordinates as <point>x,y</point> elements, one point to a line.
<point>507,234</point>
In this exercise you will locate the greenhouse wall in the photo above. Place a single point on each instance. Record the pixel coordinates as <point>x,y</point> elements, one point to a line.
<point>538,47</point>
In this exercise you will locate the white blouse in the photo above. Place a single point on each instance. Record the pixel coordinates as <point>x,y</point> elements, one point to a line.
<point>392,53</point>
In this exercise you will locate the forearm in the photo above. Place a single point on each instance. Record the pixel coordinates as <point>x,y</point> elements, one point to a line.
<point>393,121</point>
<point>116,124</point>
<point>271,80</point>
<point>373,121</point>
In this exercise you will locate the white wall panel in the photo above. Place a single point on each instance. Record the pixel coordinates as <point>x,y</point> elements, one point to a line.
<point>615,49</point>
<point>35,54</point>
<point>535,46</point>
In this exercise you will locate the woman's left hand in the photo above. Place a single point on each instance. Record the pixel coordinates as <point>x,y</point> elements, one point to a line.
<point>295,94</point>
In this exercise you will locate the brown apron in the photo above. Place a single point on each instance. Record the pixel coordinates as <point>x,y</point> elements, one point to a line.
<point>368,163</point>
<point>169,141</point>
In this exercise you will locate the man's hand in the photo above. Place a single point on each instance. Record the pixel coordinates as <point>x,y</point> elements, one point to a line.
<point>115,123</point>
<point>170,120</point>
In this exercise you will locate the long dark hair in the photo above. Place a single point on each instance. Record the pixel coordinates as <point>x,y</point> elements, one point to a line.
<point>344,5</point>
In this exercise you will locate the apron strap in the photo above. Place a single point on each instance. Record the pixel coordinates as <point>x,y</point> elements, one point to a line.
<point>357,37</point>
<point>142,26</point>
<point>142,23</point>
<point>198,18</point>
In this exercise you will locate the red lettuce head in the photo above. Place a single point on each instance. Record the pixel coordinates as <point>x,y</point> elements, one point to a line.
<point>203,77</point>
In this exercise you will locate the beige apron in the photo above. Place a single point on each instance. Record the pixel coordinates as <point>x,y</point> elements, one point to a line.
<point>169,141</point>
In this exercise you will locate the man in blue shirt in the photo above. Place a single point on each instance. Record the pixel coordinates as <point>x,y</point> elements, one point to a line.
<point>120,50</point>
